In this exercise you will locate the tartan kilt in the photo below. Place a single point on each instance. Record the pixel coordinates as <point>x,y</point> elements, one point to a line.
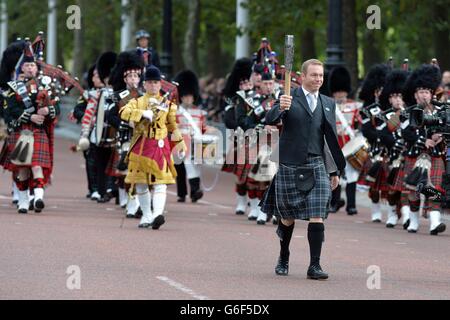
<point>41,150</point>
<point>381,183</point>
<point>365,169</point>
<point>437,171</point>
<point>283,199</point>
<point>253,184</point>
<point>405,169</point>
<point>241,171</point>
<point>228,167</point>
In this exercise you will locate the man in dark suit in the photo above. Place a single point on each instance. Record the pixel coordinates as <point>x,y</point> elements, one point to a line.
<point>310,160</point>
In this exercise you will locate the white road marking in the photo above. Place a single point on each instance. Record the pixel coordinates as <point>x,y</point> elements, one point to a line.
<point>299,236</point>
<point>351,240</point>
<point>400,243</point>
<point>212,214</point>
<point>244,234</point>
<point>206,202</point>
<point>181,287</point>
<point>109,209</point>
<point>358,221</point>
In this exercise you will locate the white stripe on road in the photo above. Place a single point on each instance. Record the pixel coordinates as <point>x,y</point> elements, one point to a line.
<point>206,202</point>
<point>181,287</point>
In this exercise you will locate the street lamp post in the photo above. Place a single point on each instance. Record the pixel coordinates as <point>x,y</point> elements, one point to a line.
<point>334,35</point>
<point>166,56</point>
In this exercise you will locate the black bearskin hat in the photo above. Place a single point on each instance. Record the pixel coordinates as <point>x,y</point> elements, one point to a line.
<point>187,84</point>
<point>89,75</point>
<point>426,76</point>
<point>339,80</point>
<point>9,60</point>
<point>374,80</point>
<point>126,61</point>
<point>266,76</point>
<point>395,83</point>
<point>242,70</point>
<point>105,63</point>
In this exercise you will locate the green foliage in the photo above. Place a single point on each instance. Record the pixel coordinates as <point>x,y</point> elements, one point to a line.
<point>407,27</point>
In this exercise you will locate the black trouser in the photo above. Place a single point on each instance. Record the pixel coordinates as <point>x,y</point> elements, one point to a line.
<point>90,170</point>
<point>350,191</point>
<point>181,182</point>
<point>101,156</point>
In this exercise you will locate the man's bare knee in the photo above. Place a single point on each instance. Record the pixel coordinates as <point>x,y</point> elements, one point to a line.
<point>287,222</point>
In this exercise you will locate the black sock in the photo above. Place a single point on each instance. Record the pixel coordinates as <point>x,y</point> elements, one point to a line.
<point>315,239</point>
<point>285,234</point>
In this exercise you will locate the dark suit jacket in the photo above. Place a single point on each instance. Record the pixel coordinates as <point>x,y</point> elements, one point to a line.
<point>293,145</point>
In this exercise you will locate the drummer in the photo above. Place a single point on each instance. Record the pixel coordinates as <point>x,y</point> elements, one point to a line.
<point>347,125</point>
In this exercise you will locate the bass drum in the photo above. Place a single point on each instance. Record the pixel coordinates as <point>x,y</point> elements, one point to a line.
<point>356,152</point>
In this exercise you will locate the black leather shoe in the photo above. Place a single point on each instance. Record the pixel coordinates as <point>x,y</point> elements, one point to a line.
<point>39,205</point>
<point>240,212</point>
<point>440,228</point>
<point>88,195</point>
<point>181,199</point>
<point>158,222</point>
<point>315,272</point>
<point>352,211</point>
<point>130,216</point>
<point>139,213</point>
<point>23,211</point>
<point>144,225</point>
<point>376,221</point>
<point>104,199</point>
<point>197,196</point>
<point>31,206</point>
<point>282,267</point>
<point>336,207</point>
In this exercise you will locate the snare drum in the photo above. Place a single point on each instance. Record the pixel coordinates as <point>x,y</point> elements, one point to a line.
<point>355,151</point>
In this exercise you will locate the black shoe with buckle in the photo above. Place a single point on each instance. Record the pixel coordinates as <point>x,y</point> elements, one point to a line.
<point>282,267</point>
<point>315,272</point>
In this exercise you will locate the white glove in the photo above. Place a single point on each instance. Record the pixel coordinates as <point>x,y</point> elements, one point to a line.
<point>83,144</point>
<point>148,114</point>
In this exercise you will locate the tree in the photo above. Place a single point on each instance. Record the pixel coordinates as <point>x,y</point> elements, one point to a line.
<point>190,55</point>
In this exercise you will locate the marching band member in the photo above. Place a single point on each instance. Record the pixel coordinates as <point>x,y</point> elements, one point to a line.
<point>125,80</point>
<point>348,122</point>
<point>150,162</point>
<point>191,121</point>
<point>96,133</point>
<point>237,87</point>
<point>30,112</point>
<point>374,173</point>
<point>424,159</point>
<point>391,99</point>
<point>93,86</point>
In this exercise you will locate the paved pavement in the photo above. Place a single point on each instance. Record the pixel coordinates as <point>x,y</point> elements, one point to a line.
<point>204,251</point>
